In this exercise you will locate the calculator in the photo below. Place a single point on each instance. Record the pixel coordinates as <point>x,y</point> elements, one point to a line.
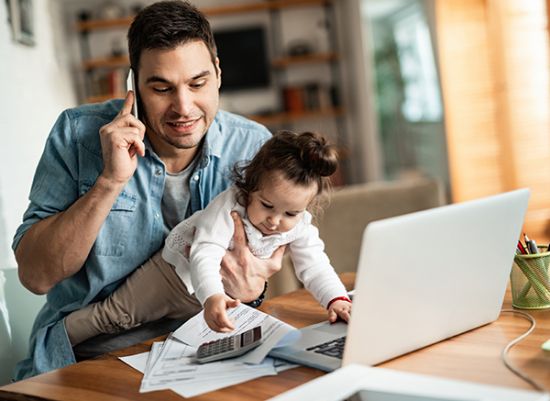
<point>229,347</point>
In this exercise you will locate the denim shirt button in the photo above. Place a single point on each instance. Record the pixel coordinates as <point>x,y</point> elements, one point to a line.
<point>158,172</point>
<point>196,177</point>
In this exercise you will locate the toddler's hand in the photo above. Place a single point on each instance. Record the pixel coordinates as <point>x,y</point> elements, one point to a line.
<point>339,309</point>
<point>215,315</point>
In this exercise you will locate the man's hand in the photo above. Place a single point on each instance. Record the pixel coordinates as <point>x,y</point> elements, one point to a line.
<point>57,247</point>
<point>215,312</point>
<point>121,142</point>
<point>243,274</point>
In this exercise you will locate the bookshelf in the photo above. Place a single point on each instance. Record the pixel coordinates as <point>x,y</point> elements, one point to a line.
<point>95,24</point>
<point>104,76</point>
<point>287,116</point>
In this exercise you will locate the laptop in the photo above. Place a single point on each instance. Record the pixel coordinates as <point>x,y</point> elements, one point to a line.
<point>421,278</point>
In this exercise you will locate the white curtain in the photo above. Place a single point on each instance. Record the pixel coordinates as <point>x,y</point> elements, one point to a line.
<point>5,332</point>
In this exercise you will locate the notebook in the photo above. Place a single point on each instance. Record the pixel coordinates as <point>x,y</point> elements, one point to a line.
<point>421,278</point>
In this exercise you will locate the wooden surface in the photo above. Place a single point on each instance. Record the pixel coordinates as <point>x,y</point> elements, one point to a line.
<point>473,356</point>
<point>288,117</point>
<point>280,62</point>
<point>313,58</point>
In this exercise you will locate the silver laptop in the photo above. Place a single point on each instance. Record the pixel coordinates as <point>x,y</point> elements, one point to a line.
<point>422,277</point>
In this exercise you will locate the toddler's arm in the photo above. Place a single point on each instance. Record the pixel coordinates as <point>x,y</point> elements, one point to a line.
<point>313,268</point>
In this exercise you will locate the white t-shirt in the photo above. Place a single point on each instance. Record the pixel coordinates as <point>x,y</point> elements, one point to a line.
<point>176,196</point>
<point>209,234</point>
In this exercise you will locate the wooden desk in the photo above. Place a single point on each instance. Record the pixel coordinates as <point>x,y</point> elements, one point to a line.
<point>473,356</point>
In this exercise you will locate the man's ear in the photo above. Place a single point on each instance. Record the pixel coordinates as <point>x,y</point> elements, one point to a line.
<point>218,72</point>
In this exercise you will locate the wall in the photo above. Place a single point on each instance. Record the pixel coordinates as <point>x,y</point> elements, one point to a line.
<point>35,89</point>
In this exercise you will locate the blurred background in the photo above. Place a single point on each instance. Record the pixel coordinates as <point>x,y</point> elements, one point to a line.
<point>452,89</point>
<point>456,90</point>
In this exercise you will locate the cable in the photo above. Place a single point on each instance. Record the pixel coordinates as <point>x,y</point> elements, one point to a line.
<point>504,353</point>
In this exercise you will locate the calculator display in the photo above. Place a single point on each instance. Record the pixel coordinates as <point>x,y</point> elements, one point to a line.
<point>250,336</point>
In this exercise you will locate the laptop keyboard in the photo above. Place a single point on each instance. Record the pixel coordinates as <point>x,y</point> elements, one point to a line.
<point>333,348</point>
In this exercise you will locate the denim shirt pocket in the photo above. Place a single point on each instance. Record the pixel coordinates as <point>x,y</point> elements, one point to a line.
<point>114,233</point>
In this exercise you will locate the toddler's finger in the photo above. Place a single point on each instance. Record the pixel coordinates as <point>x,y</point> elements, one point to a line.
<point>232,303</point>
<point>332,316</point>
<point>345,315</point>
<point>224,322</point>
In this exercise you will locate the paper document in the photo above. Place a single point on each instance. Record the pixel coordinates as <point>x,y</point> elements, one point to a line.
<point>212,383</point>
<point>172,364</point>
<point>274,332</point>
<point>176,365</point>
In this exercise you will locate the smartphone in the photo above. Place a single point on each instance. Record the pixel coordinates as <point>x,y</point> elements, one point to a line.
<point>131,85</point>
<point>230,347</point>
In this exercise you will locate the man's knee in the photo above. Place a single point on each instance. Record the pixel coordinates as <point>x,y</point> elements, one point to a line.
<point>117,315</point>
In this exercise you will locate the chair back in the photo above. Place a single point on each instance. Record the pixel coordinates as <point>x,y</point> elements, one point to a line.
<point>351,208</point>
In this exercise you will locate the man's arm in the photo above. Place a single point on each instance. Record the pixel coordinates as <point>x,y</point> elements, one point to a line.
<point>57,247</point>
<point>243,274</point>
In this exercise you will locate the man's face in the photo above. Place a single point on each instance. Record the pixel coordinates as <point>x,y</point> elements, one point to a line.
<point>179,91</point>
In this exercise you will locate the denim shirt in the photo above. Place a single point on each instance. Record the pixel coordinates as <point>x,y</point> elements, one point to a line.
<point>134,229</point>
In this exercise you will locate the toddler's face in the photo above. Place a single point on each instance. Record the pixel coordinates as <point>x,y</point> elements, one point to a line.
<point>279,204</point>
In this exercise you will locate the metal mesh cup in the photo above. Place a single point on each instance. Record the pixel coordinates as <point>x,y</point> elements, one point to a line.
<point>530,280</point>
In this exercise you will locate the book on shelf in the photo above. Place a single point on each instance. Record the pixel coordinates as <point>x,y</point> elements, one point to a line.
<point>109,83</point>
<point>308,97</point>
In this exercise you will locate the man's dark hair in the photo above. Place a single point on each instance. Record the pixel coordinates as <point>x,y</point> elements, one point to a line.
<point>166,25</point>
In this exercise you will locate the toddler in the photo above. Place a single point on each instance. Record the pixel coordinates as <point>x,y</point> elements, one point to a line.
<point>273,194</point>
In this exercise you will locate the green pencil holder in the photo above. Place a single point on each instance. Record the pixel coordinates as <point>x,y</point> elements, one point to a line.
<point>530,280</point>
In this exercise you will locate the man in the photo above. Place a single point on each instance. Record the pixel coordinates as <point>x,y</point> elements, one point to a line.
<point>109,186</point>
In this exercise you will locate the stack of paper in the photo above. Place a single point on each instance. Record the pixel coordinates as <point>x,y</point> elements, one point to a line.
<point>171,364</point>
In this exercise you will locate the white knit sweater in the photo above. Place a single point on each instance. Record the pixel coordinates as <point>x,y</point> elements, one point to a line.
<point>209,234</point>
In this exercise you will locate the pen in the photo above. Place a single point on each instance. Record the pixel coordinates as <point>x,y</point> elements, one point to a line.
<point>521,248</point>
<point>532,246</point>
